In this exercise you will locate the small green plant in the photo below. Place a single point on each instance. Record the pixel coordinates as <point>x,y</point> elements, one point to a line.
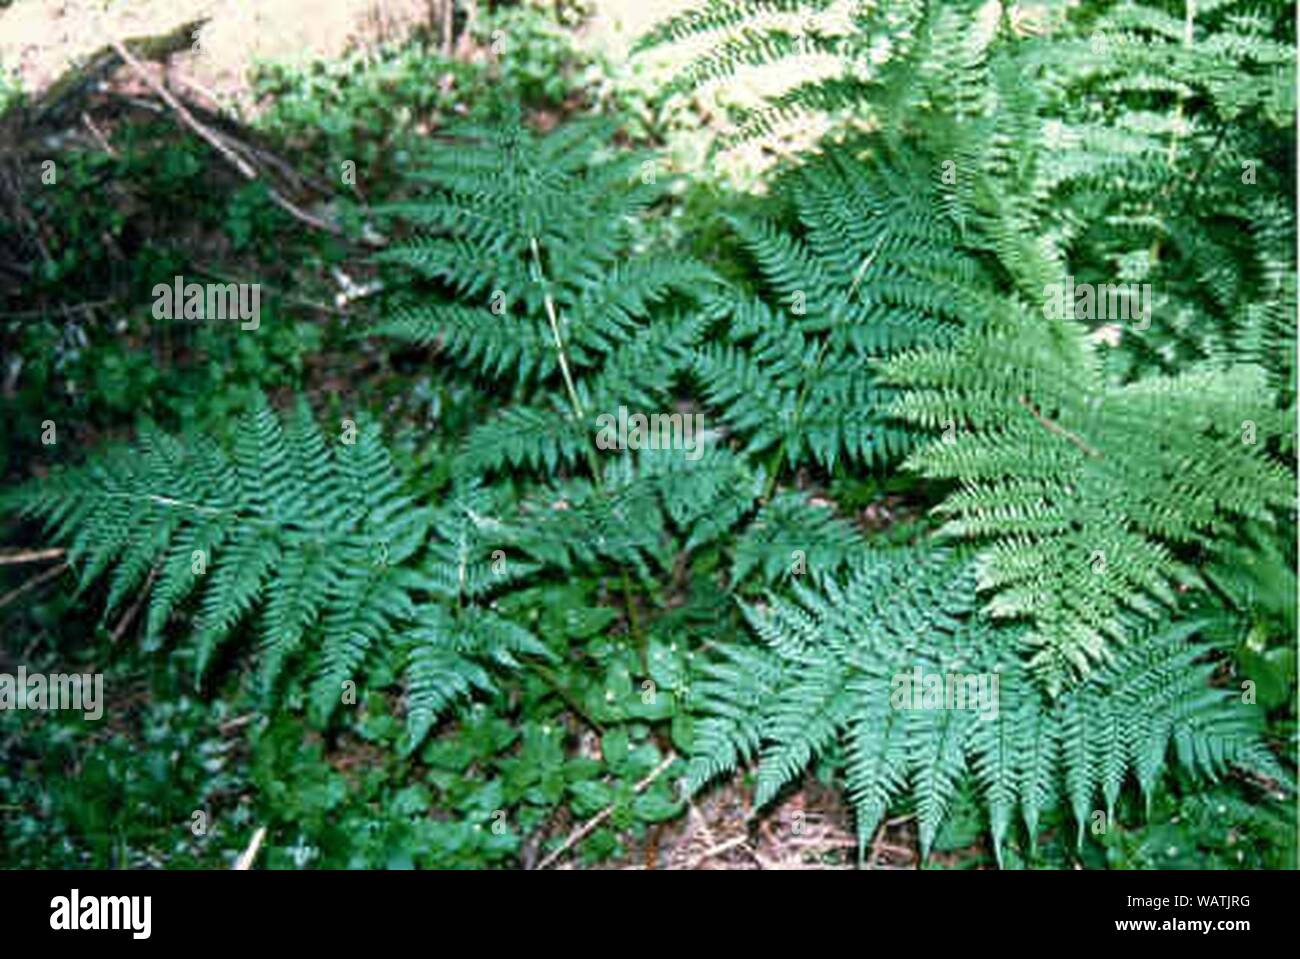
<point>154,785</point>
<point>363,108</point>
<point>11,89</point>
<point>532,54</point>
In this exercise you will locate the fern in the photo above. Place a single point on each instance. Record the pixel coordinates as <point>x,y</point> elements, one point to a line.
<point>317,538</point>
<point>538,239</point>
<point>791,536</point>
<point>1085,475</point>
<point>875,268</point>
<point>829,667</point>
<point>1129,141</point>
<point>834,58</point>
<point>1163,123</point>
<point>1081,490</point>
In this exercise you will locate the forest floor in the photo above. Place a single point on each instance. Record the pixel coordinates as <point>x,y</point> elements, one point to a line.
<point>42,39</point>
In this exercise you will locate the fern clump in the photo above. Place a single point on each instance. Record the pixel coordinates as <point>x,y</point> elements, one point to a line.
<point>1093,462</point>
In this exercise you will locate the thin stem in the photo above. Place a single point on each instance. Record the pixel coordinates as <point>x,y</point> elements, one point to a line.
<point>592,460</point>
<point>1060,430</point>
<point>555,330</point>
<point>634,624</point>
<point>775,465</point>
<point>32,583</point>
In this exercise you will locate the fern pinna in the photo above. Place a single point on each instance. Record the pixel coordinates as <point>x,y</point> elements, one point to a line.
<point>835,665</point>
<point>315,534</point>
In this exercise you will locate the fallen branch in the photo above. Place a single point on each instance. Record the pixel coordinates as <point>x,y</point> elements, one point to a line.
<point>31,555</point>
<point>218,142</point>
<point>98,134</point>
<point>878,844</point>
<point>181,110</point>
<point>32,583</point>
<point>586,828</point>
<point>230,725</point>
<point>135,607</point>
<point>720,848</point>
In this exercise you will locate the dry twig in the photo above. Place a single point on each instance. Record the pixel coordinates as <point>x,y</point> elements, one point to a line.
<point>31,555</point>
<point>135,607</point>
<point>32,583</point>
<point>245,860</point>
<point>586,828</point>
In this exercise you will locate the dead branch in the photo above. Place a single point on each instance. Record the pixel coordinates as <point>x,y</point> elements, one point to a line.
<point>219,143</point>
<point>31,584</point>
<point>31,555</point>
<point>717,850</point>
<point>135,607</point>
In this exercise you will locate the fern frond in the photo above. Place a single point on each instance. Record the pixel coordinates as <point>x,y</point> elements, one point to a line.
<point>315,537</point>
<point>928,694</point>
<point>1080,491</point>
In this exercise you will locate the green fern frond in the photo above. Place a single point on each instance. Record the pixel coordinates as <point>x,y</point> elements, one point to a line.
<point>1080,491</point>
<point>536,238</point>
<point>845,661</point>
<point>874,269</point>
<point>791,536</point>
<point>315,537</point>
